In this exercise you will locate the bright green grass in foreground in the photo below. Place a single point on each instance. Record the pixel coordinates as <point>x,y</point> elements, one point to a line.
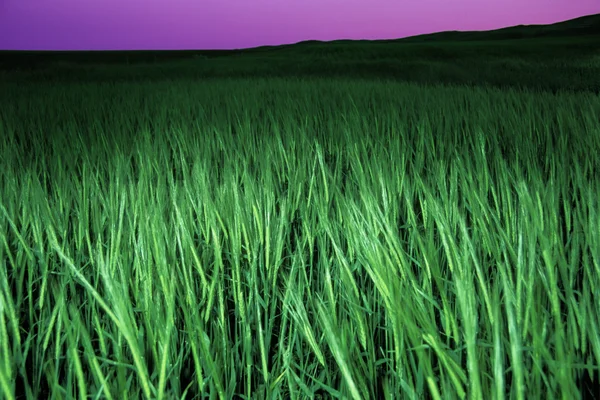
<point>278,239</point>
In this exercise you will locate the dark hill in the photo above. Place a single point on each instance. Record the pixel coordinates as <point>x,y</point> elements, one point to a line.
<point>587,25</point>
<point>563,55</point>
<point>582,28</point>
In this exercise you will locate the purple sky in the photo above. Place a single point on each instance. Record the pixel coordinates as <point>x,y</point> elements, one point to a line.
<point>229,24</point>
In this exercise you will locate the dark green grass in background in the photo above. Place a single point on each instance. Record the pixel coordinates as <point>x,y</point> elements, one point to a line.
<point>563,56</point>
<point>405,219</point>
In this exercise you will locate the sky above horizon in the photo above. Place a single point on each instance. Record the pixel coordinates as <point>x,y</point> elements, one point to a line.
<point>231,24</point>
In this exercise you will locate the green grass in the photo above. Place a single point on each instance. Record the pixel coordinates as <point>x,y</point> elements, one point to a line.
<point>396,219</point>
<point>296,238</point>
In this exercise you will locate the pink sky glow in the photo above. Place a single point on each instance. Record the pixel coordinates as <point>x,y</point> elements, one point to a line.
<point>231,24</point>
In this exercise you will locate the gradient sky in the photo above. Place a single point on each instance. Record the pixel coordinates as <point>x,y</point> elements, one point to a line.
<point>230,24</point>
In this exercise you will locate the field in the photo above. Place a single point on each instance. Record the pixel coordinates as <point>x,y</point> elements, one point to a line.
<point>178,229</point>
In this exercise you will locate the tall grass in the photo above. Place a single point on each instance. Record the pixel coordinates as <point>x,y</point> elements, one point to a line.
<point>284,238</point>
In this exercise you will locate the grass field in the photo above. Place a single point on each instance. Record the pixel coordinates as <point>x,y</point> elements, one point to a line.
<point>302,236</point>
